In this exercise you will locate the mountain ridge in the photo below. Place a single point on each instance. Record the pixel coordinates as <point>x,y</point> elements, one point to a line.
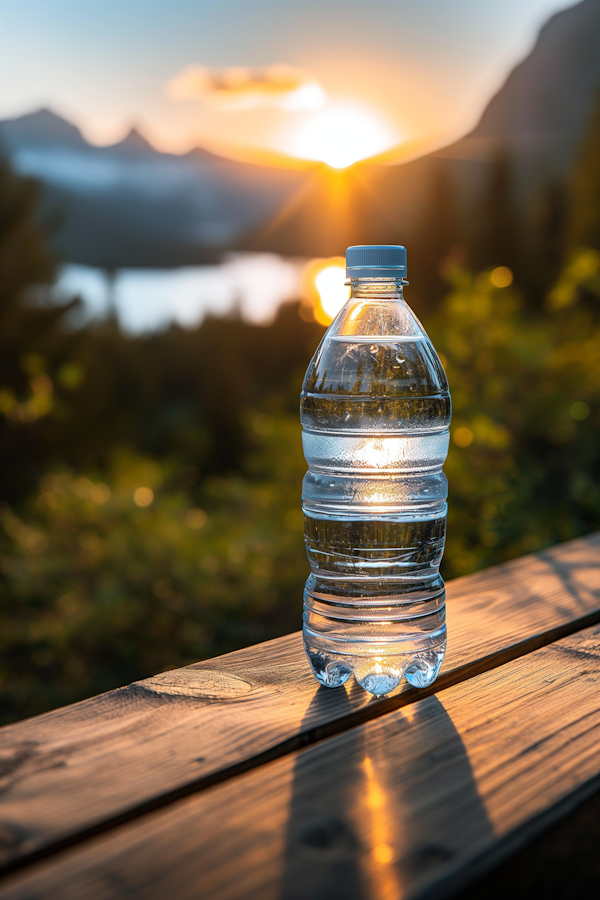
<point>130,204</point>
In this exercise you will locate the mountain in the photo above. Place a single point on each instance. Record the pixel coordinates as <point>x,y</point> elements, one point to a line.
<point>133,142</point>
<point>537,120</point>
<point>40,129</point>
<point>542,110</point>
<point>128,205</point>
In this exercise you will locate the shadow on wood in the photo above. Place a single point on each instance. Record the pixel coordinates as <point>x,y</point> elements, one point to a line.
<point>343,836</point>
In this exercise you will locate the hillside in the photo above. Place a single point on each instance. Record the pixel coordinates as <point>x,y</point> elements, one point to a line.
<point>543,108</point>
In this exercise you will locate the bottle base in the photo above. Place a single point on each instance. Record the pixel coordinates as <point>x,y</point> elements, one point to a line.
<point>378,675</point>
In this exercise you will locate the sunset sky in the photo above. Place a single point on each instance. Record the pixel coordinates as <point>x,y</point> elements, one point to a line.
<point>290,77</point>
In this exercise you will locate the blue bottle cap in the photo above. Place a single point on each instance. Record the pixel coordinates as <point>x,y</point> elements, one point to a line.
<point>376,261</point>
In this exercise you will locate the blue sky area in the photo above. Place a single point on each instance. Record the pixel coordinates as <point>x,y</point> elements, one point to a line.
<point>419,68</point>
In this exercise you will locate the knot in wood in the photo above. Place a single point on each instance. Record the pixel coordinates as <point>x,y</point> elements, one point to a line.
<point>209,684</point>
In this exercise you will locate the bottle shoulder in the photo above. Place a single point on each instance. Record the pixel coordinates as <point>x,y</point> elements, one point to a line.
<point>394,367</point>
<point>376,348</point>
<point>374,317</point>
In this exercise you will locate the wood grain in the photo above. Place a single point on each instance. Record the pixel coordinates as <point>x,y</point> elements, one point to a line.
<point>79,770</point>
<point>410,805</point>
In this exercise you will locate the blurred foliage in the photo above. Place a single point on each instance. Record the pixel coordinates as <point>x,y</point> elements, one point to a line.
<point>105,582</point>
<point>525,456</point>
<point>180,393</point>
<point>146,566</point>
<point>29,330</point>
<point>149,486</point>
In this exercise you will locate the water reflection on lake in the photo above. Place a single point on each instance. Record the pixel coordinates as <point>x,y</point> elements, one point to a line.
<point>150,299</point>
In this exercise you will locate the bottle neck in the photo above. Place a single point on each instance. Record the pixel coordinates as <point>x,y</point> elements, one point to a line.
<point>377,288</point>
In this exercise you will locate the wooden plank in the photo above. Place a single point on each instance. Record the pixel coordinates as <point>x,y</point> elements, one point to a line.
<point>409,805</point>
<point>561,863</point>
<point>76,771</point>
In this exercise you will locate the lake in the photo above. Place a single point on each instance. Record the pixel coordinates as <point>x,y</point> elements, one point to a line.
<point>151,299</point>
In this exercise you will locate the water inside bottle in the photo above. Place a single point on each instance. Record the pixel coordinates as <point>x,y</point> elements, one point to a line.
<point>375,411</point>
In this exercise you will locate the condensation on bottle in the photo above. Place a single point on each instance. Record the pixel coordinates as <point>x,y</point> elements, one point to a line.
<point>375,411</point>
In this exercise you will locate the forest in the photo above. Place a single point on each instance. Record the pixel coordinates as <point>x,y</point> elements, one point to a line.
<point>150,486</point>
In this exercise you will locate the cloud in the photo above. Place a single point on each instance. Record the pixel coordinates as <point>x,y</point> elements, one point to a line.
<point>238,87</point>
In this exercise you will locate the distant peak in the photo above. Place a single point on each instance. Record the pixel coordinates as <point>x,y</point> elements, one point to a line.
<point>41,127</point>
<point>134,141</point>
<point>45,116</point>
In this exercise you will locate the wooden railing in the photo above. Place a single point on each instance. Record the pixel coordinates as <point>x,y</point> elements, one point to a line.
<point>239,777</point>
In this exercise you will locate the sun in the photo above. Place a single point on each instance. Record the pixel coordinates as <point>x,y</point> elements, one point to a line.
<point>342,135</point>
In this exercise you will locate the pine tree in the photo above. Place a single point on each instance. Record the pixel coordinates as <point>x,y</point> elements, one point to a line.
<point>497,238</point>
<point>438,233</point>
<point>30,330</point>
<point>25,260</point>
<point>584,206</point>
<point>547,227</point>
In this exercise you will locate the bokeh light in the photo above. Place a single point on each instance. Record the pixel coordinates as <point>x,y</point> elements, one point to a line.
<point>463,436</point>
<point>143,496</point>
<point>324,288</point>
<point>580,410</point>
<point>196,518</point>
<point>501,276</point>
<point>330,283</point>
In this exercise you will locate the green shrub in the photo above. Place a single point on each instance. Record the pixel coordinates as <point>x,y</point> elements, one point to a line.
<point>97,591</point>
<point>524,458</point>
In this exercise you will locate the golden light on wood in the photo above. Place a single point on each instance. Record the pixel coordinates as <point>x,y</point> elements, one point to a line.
<point>381,875</point>
<point>503,748</point>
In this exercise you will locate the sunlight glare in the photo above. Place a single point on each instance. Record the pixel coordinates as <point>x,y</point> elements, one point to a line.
<point>333,293</point>
<point>323,290</point>
<point>341,136</point>
<point>307,96</point>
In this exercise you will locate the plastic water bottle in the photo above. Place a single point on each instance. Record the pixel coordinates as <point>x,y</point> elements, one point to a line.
<point>375,412</point>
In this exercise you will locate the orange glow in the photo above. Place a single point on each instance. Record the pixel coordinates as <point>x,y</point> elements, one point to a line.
<point>324,289</point>
<point>381,873</point>
<point>330,284</point>
<point>341,136</point>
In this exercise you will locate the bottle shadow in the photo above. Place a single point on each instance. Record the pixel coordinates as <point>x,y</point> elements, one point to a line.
<point>374,810</point>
